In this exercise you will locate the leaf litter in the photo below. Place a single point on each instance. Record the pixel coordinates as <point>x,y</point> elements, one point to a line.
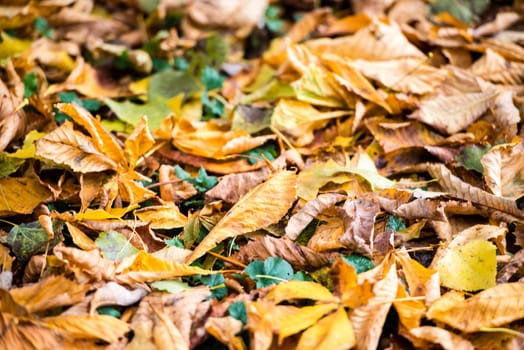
<point>261,174</point>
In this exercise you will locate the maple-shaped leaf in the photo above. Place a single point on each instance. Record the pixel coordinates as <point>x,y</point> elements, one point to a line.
<point>262,206</point>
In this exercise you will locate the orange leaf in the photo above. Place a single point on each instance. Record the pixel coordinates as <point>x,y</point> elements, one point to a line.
<point>262,206</point>
<point>21,195</point>
<point>107,328</point>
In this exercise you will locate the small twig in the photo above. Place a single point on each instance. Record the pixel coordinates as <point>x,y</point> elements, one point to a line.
<point>227,259</point>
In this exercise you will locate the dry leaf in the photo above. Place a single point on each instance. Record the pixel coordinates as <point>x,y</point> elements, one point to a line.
<point>442,337</point>
<point>493,307</point>
<point>262,206</point>
<point>359,220</point>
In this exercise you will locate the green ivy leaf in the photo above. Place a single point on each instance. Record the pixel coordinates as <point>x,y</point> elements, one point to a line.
<point>202,182</point>
<point>30,238</point>
<point>395,223</point>
<point>238,311</point>
<point>273,270</point>
<point>268,151</point>
<point>30,84</point>
<point>109,311</point>
<point>211,78</point>
<point>216,284</point>
<point>359,262</point>
<point>470,157</point>
<point>114,245</point>
<point>42,27</point>
<point>212,107</point>
<point>174,242</point>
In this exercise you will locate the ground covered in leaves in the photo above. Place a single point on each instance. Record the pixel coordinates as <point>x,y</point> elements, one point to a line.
<point>243,174</point>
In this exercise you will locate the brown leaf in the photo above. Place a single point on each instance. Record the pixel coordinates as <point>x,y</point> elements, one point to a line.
<point>462,190</point>
<point>21,334</point>
<point>262,206</point>
<point>298,222</point>
<point>493,307</point>
<point>300,257</point>
<point>442,337</point>
<point>114,294</point>
<point>231,188</point>
<point>84,263</point>
<point>162,216</point>
<point>503,166</point>
<point>450,114</point>
<point>225,329</point>
<point>359,220</point>
<point>11,118</point>
<point>368,319</point>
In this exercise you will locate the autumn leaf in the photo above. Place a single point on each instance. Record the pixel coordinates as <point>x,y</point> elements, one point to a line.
<point>255,210</point>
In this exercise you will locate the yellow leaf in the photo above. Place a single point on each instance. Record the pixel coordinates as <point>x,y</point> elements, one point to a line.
<point>332,332</point>
<point>49,293</point>
<point>162,216</point>
<point>138,143</point>
<point>10,46</point>
<point>70,147</point>
<point>493,307</point>
<point>298,120</point>
<point>290,320</point>
<point>28,150</point>
<point>299,290</point>
<point>260,207</point>
<point>107,328</point>
<point>470,267</point>
<point>21,195</point>
<point>101,214</point>
<point>80,238</point>
<point>102,138</point>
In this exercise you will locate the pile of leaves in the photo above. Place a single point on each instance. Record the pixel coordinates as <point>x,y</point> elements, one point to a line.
<point>238,174</point>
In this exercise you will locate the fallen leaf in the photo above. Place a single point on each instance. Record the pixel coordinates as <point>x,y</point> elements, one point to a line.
<point>492,307</point>
<point>262,206</point>
<point>442,337</point>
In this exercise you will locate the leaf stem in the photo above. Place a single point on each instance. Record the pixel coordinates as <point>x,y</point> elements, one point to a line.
<point>271,278</point>
<point>502,330</point>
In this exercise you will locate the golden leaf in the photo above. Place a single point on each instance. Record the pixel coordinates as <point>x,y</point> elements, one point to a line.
<point>262,206</point>
<point>289,320</point>
<point>162,216</point>
<point>67,146</point>
<point>107,328</point>
<point>493,307</point>
<point>332,332</point>
<point>291,290</point>
<point>368,319</point>
<point>21,195</point>
<point>49,293</point>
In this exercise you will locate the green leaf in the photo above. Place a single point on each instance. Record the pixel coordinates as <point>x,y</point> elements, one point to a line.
<point>202,182</point>
<point>170,286</point>
<point>30,84</point>
<point>395,224</point>
<point>71,96</point>
<point>464,10</point>
<point>9,165</point>
<point>156,110</point>
<point>302,276</point>
<point>470,157</point>
<point>30,238</point>
<point>42,27</point>
<point>238,311</point>
<point>109,311</point>
<point>273,270</point>
<point>211,78</point>
<point>212,107</point>
<point>216,284</point>
<point>359,262</point>
<point>268,151</point>
<point>174,242</point>
<point>217,49</point>
<point>114,245</point>
<point>170,83</point>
